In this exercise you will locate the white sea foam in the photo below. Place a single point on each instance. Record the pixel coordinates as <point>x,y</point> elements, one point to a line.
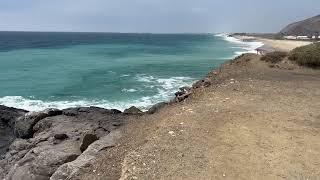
<point>125,75</point>
<point>247,46</point>
<point>167,84</point>
<point>164,87</point>
<point>39,105</point>
<point>129,90</point>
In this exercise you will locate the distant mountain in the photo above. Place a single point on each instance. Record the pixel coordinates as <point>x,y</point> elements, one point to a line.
<point>308,27</point>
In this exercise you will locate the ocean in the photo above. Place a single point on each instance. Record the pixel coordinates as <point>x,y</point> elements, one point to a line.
<point>40,70</point>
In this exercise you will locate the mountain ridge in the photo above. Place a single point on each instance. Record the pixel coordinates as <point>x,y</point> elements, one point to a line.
<point>307,27</point>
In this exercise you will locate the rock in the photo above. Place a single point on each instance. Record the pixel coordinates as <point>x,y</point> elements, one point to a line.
<point>8,114</point>
<point>8,117</point>
<point>133,110</point>
<point>87,140</point>
<point>42,126</point>
<point>202,83</point>
<point>182,91</point>
<point>60,136</point>
<point>42,162</point>
<point>70,112</point>
<point>77,111</point>
<point>182,94</point>
<point>115,111</point>
<point>52,112</point>
<point>24,125</point>
<point>69,170</point>
<point>20,145</point>
<point>156,107</point>
<point>48,147</point>
<point>182,98</point>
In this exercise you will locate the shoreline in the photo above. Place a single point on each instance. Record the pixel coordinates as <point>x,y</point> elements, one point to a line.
<point>240,103</point>
<point>252,42</point>
<point>276,45</point>
<point>40,105</point>
<point>122,133</point>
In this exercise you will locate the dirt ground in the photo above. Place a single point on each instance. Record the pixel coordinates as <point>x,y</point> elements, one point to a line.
<point>255,122</point>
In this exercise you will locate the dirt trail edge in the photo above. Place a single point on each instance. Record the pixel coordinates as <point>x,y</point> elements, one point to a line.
<point>253,122</point>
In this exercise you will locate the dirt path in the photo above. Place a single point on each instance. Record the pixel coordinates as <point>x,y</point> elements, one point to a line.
<point>257,123</point>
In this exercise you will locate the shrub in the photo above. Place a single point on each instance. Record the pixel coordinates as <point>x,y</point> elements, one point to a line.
<point>306,55</point>
<point>274,57</point>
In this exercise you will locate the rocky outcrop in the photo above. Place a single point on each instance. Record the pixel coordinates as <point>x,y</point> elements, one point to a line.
<point>155,108</point>
<point>87,140</point>
<point>24,125</point>
<point>49,139</point>
<point>71,169</point>
<point>182,94</point>
<point>41,162</point>
<point>8,116</point>
<point>133,111</point>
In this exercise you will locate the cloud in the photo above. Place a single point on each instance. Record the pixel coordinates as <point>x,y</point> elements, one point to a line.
<point>152,15</point>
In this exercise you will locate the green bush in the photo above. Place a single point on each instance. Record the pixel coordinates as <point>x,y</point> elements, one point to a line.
<point>274,57</point>
<point>306,55</point>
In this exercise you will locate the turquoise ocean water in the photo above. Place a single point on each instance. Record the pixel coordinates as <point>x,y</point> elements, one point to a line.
<point>110,70</point>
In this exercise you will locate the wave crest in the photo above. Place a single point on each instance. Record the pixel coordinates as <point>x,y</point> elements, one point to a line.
<point>247,46</point>
<point>165,88</point>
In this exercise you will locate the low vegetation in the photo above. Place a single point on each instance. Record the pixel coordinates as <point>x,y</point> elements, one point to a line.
<point>274,57</point>
<point>307,55</point>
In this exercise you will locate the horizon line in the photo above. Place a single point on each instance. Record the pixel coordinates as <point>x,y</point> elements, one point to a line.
<point>110,32</point>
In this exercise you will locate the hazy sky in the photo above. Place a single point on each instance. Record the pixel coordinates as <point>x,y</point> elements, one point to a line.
<point>166,16</point>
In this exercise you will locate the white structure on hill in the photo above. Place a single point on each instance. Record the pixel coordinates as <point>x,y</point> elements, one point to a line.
<point>301,37</point>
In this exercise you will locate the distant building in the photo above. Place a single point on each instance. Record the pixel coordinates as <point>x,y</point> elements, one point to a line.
<point>300,37</point>
<point>290,37</point>
<point>303,37</point>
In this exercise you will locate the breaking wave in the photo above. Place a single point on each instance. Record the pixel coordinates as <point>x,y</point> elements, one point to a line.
<point>165,88</point>
<point>247,46</point>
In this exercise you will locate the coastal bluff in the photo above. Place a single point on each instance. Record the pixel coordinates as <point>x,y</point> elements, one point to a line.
<point>246,119</point>
<point>34,145</point>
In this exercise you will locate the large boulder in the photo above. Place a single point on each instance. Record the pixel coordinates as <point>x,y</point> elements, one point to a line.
<point>24,125</point>
<point>71,169</point>
<point>8,116</point>
<point>87,140</point>
<point>55,140</point>
<point>78,110</point>
<point>155,108</point>
<point>133,110</point>
<point>42,162</point>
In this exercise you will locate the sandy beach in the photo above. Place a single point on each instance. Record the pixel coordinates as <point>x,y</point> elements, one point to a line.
<point>279,45</point>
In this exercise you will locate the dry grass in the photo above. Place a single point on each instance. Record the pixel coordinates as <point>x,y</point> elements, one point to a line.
<point>274,57</point>
<point>307,55</point>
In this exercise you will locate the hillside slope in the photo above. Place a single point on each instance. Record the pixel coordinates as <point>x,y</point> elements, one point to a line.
<point>254,122</point>
<point>306,27</point>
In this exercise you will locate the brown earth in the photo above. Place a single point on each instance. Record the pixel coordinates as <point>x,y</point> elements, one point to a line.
<point>254,122</point>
